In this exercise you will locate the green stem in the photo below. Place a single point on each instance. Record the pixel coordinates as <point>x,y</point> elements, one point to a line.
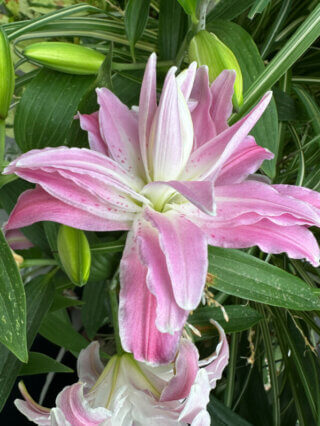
<point>2,142</point>
<point>117,66</point>
<point>114,311</point>
<point>38,262</point>
<point>228,396</point>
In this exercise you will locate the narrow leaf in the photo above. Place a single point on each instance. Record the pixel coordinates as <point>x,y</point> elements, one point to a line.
<point>95,308</point>
<point>40,363</point>
<point>135,20</point>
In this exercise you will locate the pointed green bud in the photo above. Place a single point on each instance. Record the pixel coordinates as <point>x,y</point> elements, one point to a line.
<point>74,253</point>
<point>65,57</point>
<point>206,49</point>
<point>6,75</point>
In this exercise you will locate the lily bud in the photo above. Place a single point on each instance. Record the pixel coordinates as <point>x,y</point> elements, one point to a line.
<point>74,253</point>
<point>206,49</point>
<point>65,57</point>
<point>6,75</point>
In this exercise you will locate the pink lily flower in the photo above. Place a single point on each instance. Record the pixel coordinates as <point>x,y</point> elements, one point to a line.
<point>178,178</point>
<point>126,392</point>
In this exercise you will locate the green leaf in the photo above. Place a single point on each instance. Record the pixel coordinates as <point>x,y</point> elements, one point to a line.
<point>40,363</point>
<point>237,273</point>
<point>95,308</point>
<point>57,328</point>
<point>240,318</point>
<point>228,9</point>
<point>61,302</point>
<point>258,7</point>
<point>39,294</point>
<point>189,6</point>
<point>251,64</point>
<point>222,415</point>
<point>135,20</point>
<point>311,107</point>
<point>173,25</point>
<point>47,109</point>
<point>12,304</point>
<point>301,40</point>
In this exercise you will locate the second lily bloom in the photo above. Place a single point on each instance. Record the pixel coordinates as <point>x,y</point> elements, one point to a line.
<point>178,178</point>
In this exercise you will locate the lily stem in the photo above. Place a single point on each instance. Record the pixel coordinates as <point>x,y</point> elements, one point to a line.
<point>114,310</point>
<point>2,141</point>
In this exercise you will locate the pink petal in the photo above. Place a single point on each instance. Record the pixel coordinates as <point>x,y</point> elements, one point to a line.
<point>186,80</point>
<point>90,123</point>
<point>51,209</point>
<point>185,248</point>
<point>304,194</point>
<point>169,316</point>
<point>203,123</point>
<point>217,362</point>
<point>297,241</point>
<point>244,161</point>
<point>137,312</point>
<point>186,369</point>
<point>29,408</point>
<point>76,408</point>
<point>119,128</point>
<point>147,108</point>
<point>264,200</point>
<point>171,136</point>
<point>207,160</point>
<point>17,241</point>
<point>89,365</point>
<point>222,92</point>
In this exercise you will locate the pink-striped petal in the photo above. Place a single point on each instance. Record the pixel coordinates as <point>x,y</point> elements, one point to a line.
<point>304,194</point>
<point>185,248</point>
<point>297,241</point>
<point>52,209</point>
<point>90,123</point>
<point>186,80</point>
<point>169,316</point>
<point>171,136</point>
<point>137,312</point>
<point>17,241</point>
<point>203,123</point>
<point>29,408</point>
<point>222,92</point>
<point>76,408</point>
<point>119,128</point>
<point>89,365</point>
<point>244,161</point>
<point>208,160</point>
<point>186,369</point>
<point>147,108</point>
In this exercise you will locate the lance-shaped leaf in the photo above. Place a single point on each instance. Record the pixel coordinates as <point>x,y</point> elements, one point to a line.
<point>12,304</point>
<point>135,20</point>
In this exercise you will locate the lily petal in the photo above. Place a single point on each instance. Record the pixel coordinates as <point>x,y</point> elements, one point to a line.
<point>222,92</point>
<point>17,241</point>
<point>90,123</point>
<point>185,80</point>
<point>186,369</point>
<point>119,128</point>
<point>300,193</point>
<point>89,365</point>
<point>137,312</point>
<point>33,411</point>
<point>185,248</point>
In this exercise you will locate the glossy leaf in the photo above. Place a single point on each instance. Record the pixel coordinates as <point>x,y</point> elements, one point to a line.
<point>224,416</point>
<point>237,273</point>
<point>95,309</point>
<point>40,363</point>
<point>135,20</point>
<point>258,7</point>
<point>189,6</point>
<point>12,304</point>
<point>228,9</point>
<point>47,109</point>
<point>39,294</point>
<point>251,64</point>
<point>61,302</point>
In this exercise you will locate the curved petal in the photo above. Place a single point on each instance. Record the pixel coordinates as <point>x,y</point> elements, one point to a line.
<point>185,248</point>
<point>221,105</point>
<point>90,123</point>
<point>169,316</point>
<point>264,200</point>
<point>119,128</point>
<point>171,136</point>
<point>208,160</point>
<point>29,408</point>
<point>186,369</point>
<point>89,365</point>
<point>203,123</point>
<point>49,208</point>
<point>303,194</point>
<point>245,160</point>
<point>137,312</point>
<point>147,108</point>
<point>76,408</point>
<point>297,241</point>
<point>58,418</point>
<point>185,80</point>
<point>17,241</point>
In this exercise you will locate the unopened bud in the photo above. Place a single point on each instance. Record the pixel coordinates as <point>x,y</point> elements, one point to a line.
<point>6,75</point>
<point>206,49</point>
<point>74,253</point>
<point>65,57</point>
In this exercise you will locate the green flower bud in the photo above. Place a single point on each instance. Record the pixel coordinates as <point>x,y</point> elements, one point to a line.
<point>206,49</point>
<point>74,253</point>
<point>65,57</point>
<point>6,75</point>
